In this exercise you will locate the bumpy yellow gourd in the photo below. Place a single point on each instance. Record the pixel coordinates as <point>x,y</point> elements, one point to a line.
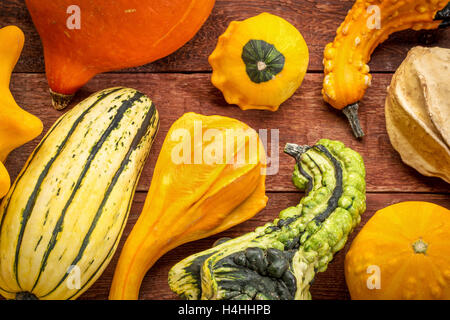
<point>260,62</point>
<point>367,24</point>
<point>16,125</point>
<point>401,253</point>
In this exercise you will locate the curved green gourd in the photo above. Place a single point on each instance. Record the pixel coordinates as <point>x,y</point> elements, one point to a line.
<point>262,60</point>
<point>279,260</point>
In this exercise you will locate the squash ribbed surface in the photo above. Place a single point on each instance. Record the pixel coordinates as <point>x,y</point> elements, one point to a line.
<point>69,205</point>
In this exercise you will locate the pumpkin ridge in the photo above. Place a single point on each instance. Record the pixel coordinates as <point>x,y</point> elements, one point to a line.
<point>388,237</point>
<point>191,5</point>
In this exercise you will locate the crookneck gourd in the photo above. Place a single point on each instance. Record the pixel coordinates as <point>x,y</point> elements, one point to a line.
<point>366,25</point>
<point>210,176</point>
<point>279,260</point>
<point>83,38</point>
<point>259,62</point>
<point>17,126</point>
<point>62,219</point>
<point>402,253</point>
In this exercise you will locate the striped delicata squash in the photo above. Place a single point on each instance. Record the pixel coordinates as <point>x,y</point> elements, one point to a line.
<point>63,217</point>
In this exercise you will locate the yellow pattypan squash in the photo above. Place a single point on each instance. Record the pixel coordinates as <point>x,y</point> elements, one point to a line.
<point>401,253</point>
<point>16,125</point>
<point>260,62</point>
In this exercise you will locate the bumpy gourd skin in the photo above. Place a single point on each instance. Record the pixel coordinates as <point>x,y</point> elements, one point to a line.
<point>367,24</point>
<point>279,260</point>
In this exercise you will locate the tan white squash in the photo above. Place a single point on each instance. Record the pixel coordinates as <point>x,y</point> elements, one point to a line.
<point>418,111</point>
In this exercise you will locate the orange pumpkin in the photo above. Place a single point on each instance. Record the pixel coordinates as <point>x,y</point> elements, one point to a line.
<point>98,36</point>
<point>401,253</point>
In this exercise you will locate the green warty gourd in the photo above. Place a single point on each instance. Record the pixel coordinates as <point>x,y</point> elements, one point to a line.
<point>279,260</point>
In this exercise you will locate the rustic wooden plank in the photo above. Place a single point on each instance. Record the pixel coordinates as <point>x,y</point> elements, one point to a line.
<point>327,285</point>
<point>316,20</point>
<point>303,119</point>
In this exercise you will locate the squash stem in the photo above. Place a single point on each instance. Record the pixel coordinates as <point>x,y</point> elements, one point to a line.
<point>295,150</point>
<point>60,101</point>
<point>351,111</point>
<point>444,15</point>
<point>420,246</point>
<point>25,296</point>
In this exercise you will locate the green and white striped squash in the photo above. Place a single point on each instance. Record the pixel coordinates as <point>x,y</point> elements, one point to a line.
<point>62,219</point>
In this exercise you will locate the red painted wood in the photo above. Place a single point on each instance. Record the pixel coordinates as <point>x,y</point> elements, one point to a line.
<point>316,20</point>
<point>176,86</point>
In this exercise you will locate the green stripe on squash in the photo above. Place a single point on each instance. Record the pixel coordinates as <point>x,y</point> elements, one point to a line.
<point>134,145</point>
<point>126,104</point>
<point>134,124</point>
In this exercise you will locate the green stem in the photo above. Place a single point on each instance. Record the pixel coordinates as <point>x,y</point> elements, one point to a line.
<point>26,296</point>
<point>295,150</point>
<point>444,15</point>
<point>351,111</point>
<point>60,101</point>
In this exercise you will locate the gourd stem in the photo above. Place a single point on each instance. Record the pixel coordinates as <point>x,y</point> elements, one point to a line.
<point>420,246</point>
<point>60,101</point>
<point>351,111</point>
<point>444,15</point>
<point>295,150</point>
<point>26,296</point>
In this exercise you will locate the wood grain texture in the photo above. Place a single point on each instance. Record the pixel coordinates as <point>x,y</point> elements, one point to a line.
<point>316,20</point>
<point>327,285</point>
<point>304,119</point>
<point>181,83</point>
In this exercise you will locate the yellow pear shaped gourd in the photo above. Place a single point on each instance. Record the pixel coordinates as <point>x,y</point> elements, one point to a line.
<point>210,176</point>
<point>17,126</point>
<point>260,62</point>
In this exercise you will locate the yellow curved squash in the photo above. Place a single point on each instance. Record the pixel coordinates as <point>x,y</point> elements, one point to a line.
<point>17,126</point>
<point>401,253</point>
<point>210,176</point>
<point>260,62</point>
<point>367,24</point>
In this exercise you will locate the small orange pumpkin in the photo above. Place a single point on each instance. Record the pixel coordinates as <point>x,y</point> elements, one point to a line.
<point>403,252</point>
<point>87,37</point>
